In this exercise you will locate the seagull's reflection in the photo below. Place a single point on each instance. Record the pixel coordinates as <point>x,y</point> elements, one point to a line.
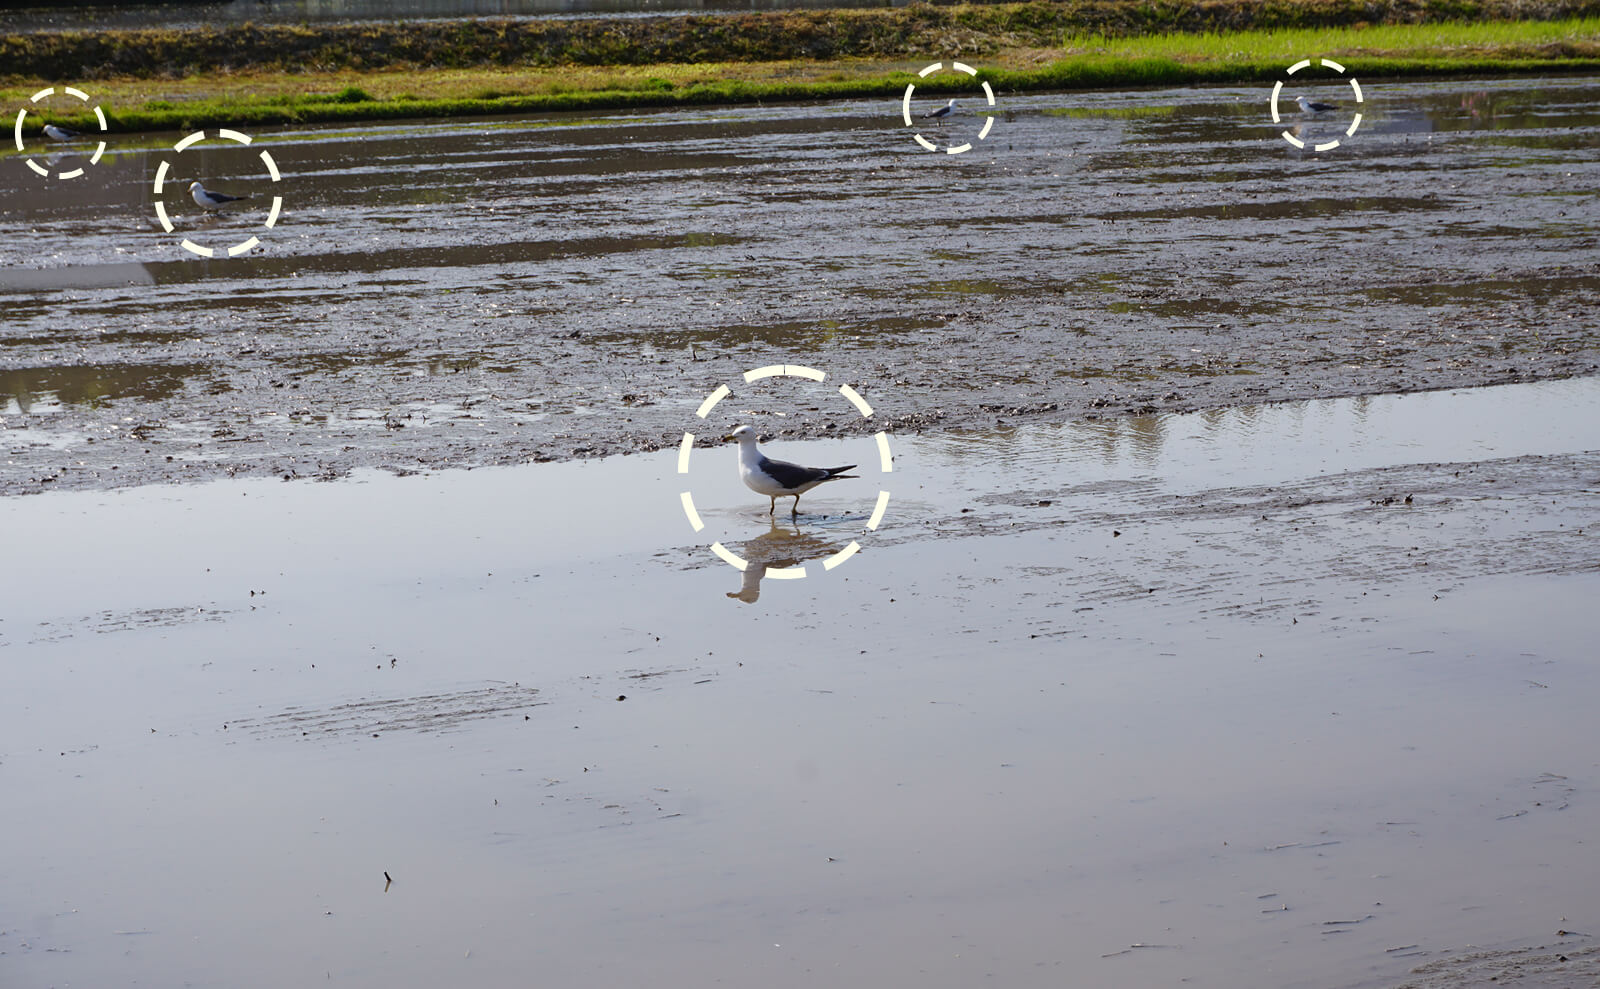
<point>782,546</point>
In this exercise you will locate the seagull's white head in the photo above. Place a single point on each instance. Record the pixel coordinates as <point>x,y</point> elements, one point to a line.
<point>744,434</point>
<point>196,187</point>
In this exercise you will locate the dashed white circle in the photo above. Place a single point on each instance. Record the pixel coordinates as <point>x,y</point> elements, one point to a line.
<point>905,107</point>
<point>41,96</point>
<point>161,207</point>
<point>1277,88</point>
<point>885,462</point>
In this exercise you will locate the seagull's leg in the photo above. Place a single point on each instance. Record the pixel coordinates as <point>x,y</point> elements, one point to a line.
<point>773,510</point>
<point>796,510</point>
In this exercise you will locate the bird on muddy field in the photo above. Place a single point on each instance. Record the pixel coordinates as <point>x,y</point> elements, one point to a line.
<point>209,200</point>
<point>55,133</point>
<point>941,113</point>
<point>778,478</point>
<point>1308,105</point>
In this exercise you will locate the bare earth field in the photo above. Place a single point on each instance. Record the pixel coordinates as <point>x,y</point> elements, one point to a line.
<point>465,294</point>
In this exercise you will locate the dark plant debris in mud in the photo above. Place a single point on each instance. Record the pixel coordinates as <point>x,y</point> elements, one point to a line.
<point>442,712</point>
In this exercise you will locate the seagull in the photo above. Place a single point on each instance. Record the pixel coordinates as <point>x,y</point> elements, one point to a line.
<point>208,199</point>
<point>55,133</point>
<point>1310,106</point>
<point>777,478</point>
<point>942,112</point>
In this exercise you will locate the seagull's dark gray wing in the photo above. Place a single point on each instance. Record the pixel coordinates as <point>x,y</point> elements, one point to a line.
<point>791,475</point>
<point>222,197</point>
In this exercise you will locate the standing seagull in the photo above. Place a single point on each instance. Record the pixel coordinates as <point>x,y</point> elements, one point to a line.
<point>776,478</point>
<point>208,199</point>
<point>942,112</point>
<point>55,133</point>
<point>1311,106</point>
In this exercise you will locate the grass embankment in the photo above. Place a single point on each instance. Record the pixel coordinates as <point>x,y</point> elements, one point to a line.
<point>152,80</point>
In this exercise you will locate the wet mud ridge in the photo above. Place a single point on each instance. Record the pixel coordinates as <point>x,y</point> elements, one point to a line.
<point>527,292</point>
<point>1276,552</point>
<point>1311,548</point>
<point>1549,966</point>
<point>121,621</point>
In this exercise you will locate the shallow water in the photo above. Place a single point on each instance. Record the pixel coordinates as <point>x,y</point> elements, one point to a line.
<point>1203,685</point>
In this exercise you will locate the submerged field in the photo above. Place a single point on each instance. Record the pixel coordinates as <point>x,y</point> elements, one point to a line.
<point>1219,631</point>
<point>155,80</point>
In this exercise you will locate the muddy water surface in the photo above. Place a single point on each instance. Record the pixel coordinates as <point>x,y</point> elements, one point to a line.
<point>1298,695</point>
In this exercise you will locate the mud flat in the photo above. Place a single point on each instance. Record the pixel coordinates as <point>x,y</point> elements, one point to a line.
<point>469,294</point>
<point>1276,696</point>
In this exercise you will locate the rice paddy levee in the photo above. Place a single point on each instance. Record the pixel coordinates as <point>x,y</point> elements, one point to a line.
<point>253,75</point>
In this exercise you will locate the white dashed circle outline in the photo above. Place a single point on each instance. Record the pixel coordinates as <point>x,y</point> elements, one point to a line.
<point>1277,88</point>
<point>161,208</point>
<point>885,461</point>
<point>905,107</point>
<point>43,94</point>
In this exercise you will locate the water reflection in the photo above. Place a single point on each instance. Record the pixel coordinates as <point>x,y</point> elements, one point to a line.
<point>92,385</point>
<point>1256,444</point>
<point>62,279</point>
<point>779,548</point>
<point>56,159</point>
<point>1222,115</point>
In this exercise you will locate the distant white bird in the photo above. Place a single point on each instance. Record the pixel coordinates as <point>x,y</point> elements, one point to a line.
<point>208,199</point>
<point>941,113</point>
<point>777,478</point>
<point>55,133</point>
<point>1311,106</point>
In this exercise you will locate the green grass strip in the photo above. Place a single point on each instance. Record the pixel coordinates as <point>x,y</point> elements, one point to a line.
<point>1392,51</point>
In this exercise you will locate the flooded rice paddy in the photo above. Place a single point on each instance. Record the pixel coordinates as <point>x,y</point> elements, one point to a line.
<point>1144,679</point>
